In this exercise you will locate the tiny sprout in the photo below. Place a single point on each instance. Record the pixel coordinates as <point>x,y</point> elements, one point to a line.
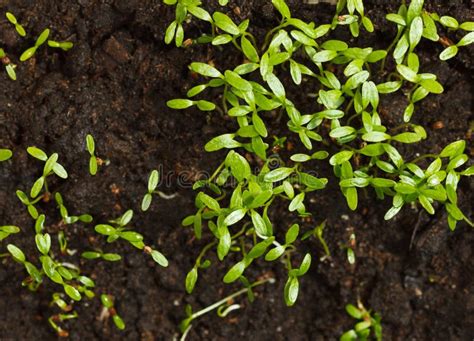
<point>64,45</point>
<point>32,50</point>
<point>7,230</point>
<point>5,154</point>
<point>110,257</point>
<point>223,306</point>
<point>152,184</point>
<point>368,323</point>
<point>60,318</point>
<point>51,166</point>
<point>12,19</point>
<point>90,145</point>
<point>120,229</point>
<point>108,304</point>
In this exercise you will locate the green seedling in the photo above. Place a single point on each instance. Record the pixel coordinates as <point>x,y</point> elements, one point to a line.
<point>29,203</point>
<point>63,45</point>
<point>108,304</point>
<point>119,229</point>
<point>351,19</point>
<point>90,146</point>
<point>152,184</point>
<point>67,219</point>
<point>224,306</point>
<point>18,27</point>
<point>10,69</point>
<point>7,230</point>
<point>317,232</point>
<point>53,320</point>
<point>30,52</point>
<point>369,324</point>
<point>5,154</point>
<point>51,167</point>
<point>98,254</point>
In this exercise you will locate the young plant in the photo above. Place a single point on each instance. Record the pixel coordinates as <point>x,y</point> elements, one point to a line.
<point>67,219</point>
<point>5,154</point>
<point>108,306</point>
<point>10,69</point>
<point>98,254</point>
<point>369,324</point>
<point>152,184</point>
<point>223,306</point>
<point>30,52</point>
<point>351,19</point>
<point>18,27</point>
<point>119,229</point>
<point>7,230</point>
<point>63,45</point>
<point>90,146</point>
<point>51,166</point>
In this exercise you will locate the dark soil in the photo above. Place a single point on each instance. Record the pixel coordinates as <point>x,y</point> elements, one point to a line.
<point>114,84</point>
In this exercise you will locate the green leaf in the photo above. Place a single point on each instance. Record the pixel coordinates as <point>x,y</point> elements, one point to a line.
<point>292,234</point>
<point>170,31</point>
<point>210,202</point>
<point>341,157</point>
<point>131,236</point>
<point>389,87</point>
<point>37,187</point>
<point>407,73</point>
<point>5,154</point>
<point>282,7</point>
<point>407,137</point>
<point>72,292</point>
<point>118,322</point>
<point>278,174</point>
<point>296,203</point>
<point>300,157</point>
<point>375,136</point>
<point>259,224</point>
<point>353,311</point>
<point>432,86</point>
<point>453,149</point>
<point>276,86</point>
<point>206,70</point>
<point>416,31</point>
<point>111,257</point>
<point>225,23</point>
<point>449,22</point>
<point>291,291</point>
<point>42,38</point>
<point>275,253</point>
<point>16,253</point>
<point>466,40</point>
<point>448,52</point>
<point>234,272</point>
<point>191,279</point>
<point>351,198</point>
<point>159,258</point>
<point>222,141</point>
<point>236,81</point>
<point>37,153</point>
<point>324,56</point>
<point>199,13</point>
<point>396,18</point>
<point>235,216</point>
<point>249,50</point>
<point>179,103</point>
<point>104,229</point>
<point>342,131</point>
<point>43,243</point>
<point>426,204</point>
<point>28,54</point>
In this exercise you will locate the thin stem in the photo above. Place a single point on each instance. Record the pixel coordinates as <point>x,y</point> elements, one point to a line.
<point>419,158</point>
<point>228,298</point>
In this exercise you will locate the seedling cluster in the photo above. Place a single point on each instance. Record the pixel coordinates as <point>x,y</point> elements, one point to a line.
<point>345,117</point>
<point>48,263</point>
<point>368,326</point>
<point>29,52</point>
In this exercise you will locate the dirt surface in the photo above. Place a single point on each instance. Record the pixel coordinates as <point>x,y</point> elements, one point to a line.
<point>114,84</point>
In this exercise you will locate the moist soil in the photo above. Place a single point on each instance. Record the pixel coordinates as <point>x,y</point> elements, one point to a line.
<point>114,84</point>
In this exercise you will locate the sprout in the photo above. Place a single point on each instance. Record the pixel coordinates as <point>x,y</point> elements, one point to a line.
<point>12,19</point>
